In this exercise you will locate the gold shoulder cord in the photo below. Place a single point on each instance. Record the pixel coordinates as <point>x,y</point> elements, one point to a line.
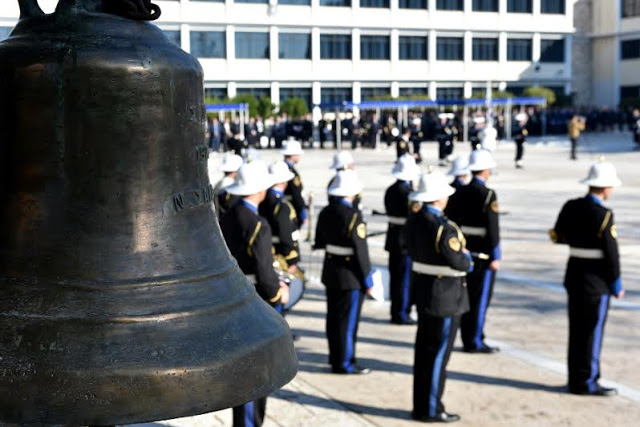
<point>438,237</point>
<point>253,238</point>
<point>353,224</point>
<point>292,210</point>
<point>461,237</point>
<point>487,200</point>
<point>607,217</point>
<point>276,209</point>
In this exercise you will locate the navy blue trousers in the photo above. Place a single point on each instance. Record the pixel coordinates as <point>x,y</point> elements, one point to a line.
<point>480,288</point>
<point>343,316</point>
<point>399,287</point>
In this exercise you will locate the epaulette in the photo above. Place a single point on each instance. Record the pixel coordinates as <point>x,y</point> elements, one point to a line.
<point>603,226</point>
<point>352,224</point>
<point>252,240</point>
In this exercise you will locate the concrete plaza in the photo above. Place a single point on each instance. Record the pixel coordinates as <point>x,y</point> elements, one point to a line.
<point>525,383</point>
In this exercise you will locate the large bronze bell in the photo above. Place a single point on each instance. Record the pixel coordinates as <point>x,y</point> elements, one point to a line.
<point>119,301</point>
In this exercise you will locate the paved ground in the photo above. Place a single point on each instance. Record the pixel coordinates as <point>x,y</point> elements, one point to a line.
<point>524,384</point>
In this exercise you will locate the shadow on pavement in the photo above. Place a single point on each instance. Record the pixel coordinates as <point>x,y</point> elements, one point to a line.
<point>376,341</point>
<point>504,382</point>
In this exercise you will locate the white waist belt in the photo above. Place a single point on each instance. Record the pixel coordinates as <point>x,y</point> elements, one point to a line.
<point>295,236</point>
<point>339,250</point>
<point>474,231</point>
<point>586,253</point>
<point>252,278</point>
<point>275,239</point>
<point>436,270</point>
<point>397,220</point>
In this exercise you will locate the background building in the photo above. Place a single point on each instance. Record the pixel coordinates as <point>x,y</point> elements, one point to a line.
<point>337,50</point>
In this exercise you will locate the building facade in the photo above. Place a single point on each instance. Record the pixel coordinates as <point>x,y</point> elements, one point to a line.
<point>329,51</point>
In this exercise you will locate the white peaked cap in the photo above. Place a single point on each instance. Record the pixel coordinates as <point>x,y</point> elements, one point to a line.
<point>252,178</point>
<point>292,148</point>
<point>521,117</point>
<point>406,168</point>
<point>341,160</point>
<point>446,116</point>
<point>602,174</point>
<point>480,160</point>
<point>459,167</point>
<point>280,172</point>
<point>479,119</point>
<point>345,184</point>
<point>231,163</point>
<point>431,187</point>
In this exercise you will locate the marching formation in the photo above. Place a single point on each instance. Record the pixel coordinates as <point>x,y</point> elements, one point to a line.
<point>443,241</point>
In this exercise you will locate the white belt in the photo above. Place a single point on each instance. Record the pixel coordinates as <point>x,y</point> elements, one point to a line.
<point>397,220</point>
<point>339,250</point>
<point>436,270</point>
<point>252,278</point>
<point>586,253</point>
<point>275,239</point>
<point>474,231</point>
<point>295,235</point>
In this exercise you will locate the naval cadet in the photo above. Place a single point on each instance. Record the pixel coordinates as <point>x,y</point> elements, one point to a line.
<point>592,276</point>
<point>282,217</point>
<point>292,153</point>
<point>520,136</point>
<point>460,172</point>
<point>475,208</point>
<point>396,202</point>
<point>439,264</point>
<point>223,200</point>
<point>402,143</point>
<point>346,271</point>
<point>445,134</point>
<point>342,160</point>
<point>248,237</point>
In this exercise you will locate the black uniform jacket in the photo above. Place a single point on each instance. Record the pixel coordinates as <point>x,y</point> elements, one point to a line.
<point>282,218</point>
<point>436,241</point>
<point>342,226</point>
<point>474,207</point>
<point>396,203</point>
<point>248,237</point>
<point>402,147</point>
<point>585,224</point>
<point>294,194</point>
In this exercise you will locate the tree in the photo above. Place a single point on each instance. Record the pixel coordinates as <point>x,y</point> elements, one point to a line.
<point>541,92</point>
<point>294,107</point>
<point>265,107</point>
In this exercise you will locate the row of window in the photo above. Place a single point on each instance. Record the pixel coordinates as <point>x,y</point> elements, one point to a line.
<point>627,92</point>
<point>513,6</point>
<point>630,49</point>
<point>255,45</point>
<point>630,8</point>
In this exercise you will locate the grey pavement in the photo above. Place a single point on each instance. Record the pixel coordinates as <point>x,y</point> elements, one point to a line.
<point>524,383</point>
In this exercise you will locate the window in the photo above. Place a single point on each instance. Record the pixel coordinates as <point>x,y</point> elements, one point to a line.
<point>629,92</point>
<point>173,36</point>
<point>335,46</point>
<point>630,49</point>
<point>485,5</point>
<point>296,92</point>
<point>517,89</point>
<point>552,50</point>
<point>294,46</point>
<point>252,45</point>
<point>375,3</point>
<point>450,5</point>
<point>369,93</point>
<point>519,50</point>
<point>252,1</point>
<point>344,3</point>
<point>414,92</point>
<point>413,48</point>
<point>630,8</point>
<point>450,48</point>
<point>296,2</point>
<point>208,44</point>
<point>485,49</point>
<point>374,47</point>
<point>519,6</point>
<point>552,6</point>
<point>335,95</point>
<point>449,93</point>
<point>215,92</point>
<point>257,92</point>
<point>412,4</point>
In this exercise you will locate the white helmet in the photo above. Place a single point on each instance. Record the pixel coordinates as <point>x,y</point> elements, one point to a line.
<point>292,148</point>
<point>602,174</point>
<point>405,168</point>
<point>342,160</point>
<point>480,160</point>
<point>280,172</point>
<point>231,163</point>
<point>459,167</point>
<point>252,178</point>
<point>431,187</point>
<point>345,184</point>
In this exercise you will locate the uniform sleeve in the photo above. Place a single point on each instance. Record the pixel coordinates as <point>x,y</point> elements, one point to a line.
<point>296,198</point>
<point>451,246</point>
<point>558,233</point>
<point>493,226</point>
<point>268,285</point>
<point>321,238</point>
<point>358,236</point>
<point>611,255</point>
<point>286,232</point>
<point>408,234</point>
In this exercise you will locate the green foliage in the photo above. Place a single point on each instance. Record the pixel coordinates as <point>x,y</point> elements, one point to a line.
<point>541,92</point>
<point>294,107</point>
<point>265,107</point>
<point>257,107</point>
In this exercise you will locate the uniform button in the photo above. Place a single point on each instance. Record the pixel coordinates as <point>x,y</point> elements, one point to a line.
<point>348,259</point>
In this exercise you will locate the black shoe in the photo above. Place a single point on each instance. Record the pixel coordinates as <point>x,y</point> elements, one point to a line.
<point>599,391</point>
<point>355,371</point>
<point>442,417</point>
<point>485,349</point>
<point>404,322</point>
<point>295,337</point>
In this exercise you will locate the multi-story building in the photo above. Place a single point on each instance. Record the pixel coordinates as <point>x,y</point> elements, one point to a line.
<point>337,50</point>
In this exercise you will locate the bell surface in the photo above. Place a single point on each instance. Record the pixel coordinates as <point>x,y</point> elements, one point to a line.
<point>119,300</point>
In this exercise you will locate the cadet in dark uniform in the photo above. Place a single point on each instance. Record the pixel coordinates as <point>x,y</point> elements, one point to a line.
<point>520,136</point>
<point>439,264</point>
<point>460,172</point>
<point>445,134</point>
<point>292,152</point>
<point>282,218</point>
<point>346,271</point>
<point>342,160</point>
<point>475,208</point>
<point>593,275</point>
<point>402,143</point>
<point>248,237</point>
<point>396,202</point>
<point>224,200</point>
